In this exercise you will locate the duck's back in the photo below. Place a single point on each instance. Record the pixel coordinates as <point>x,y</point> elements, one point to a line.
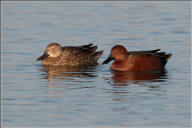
<point>148,60</point>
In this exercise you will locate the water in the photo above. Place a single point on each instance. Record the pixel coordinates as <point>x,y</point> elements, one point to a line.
<point>33,95</point>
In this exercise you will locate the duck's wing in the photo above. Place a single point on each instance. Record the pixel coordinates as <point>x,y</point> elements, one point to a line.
<point>87,49</point>
<point>153,54</point>
<point>86,46</point>
<point>83,49</point>
<point>150,51</point>
<point>84,53</point>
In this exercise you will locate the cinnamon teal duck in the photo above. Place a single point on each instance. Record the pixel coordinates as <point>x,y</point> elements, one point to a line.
<point>136,60</point>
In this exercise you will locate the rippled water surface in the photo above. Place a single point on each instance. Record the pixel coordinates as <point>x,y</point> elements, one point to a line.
<point>34,95</point>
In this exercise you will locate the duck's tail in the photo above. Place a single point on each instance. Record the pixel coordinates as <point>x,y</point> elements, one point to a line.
<point>97,54</point>
<point>166,58</point>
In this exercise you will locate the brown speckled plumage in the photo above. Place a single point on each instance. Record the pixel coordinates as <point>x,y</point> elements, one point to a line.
<point>72,55</point>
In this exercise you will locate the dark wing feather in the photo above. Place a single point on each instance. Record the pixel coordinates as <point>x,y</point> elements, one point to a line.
<point>85,46</point>
<point>88,50</point>
<point>151,51</point>
<point>84,49</point>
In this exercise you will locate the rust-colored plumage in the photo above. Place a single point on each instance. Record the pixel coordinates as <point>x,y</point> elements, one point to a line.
<point>136,60</point>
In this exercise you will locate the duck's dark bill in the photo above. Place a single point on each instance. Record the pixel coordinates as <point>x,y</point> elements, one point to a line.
<point>45,55</point>
<point>108,60</point>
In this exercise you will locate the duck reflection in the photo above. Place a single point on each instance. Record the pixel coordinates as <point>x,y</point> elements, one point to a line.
<point>57,73</point>
<point>123,78</point>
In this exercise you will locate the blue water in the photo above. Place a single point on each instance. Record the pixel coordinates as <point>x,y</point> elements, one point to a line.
<point>33,95</point>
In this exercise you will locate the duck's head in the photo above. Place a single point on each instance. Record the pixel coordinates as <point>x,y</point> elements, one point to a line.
<point>118,53</point>
<point>52,50</point>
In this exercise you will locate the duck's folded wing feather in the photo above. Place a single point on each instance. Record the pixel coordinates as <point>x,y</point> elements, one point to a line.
<point>150,51</point>
<point>84,49</point>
